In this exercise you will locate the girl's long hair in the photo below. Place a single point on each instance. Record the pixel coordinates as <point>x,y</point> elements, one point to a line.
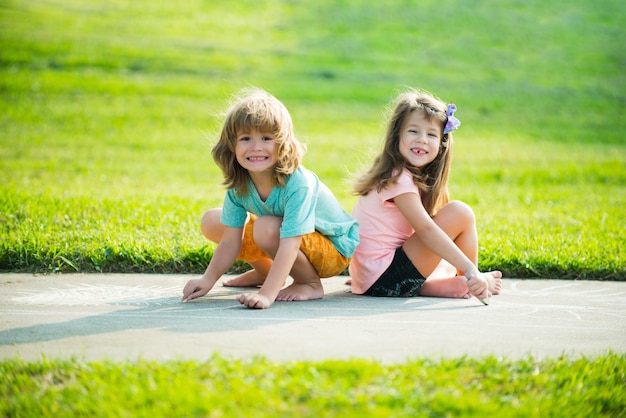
<point>255,108</point>
<point>432,179</point>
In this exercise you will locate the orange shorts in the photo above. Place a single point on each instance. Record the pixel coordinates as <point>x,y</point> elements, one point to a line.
<point>317,248</point>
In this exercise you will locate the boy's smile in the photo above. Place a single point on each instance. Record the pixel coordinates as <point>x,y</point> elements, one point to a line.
<point>256,151</point>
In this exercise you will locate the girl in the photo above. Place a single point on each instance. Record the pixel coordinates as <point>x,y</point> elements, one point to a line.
<point>407,225</point>
<point>277,215</point>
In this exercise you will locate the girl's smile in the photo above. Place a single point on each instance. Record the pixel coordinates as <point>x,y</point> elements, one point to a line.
<point>420,139</point>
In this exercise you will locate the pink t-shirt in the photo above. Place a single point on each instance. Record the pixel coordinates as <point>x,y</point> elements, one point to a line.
<point>382,229</point>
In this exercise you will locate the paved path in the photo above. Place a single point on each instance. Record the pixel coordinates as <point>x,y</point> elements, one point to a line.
<point>131,316</point>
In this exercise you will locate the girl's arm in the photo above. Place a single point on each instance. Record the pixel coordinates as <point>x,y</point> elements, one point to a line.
<point>410,205</point>
<point>281,266</point>
<point>223,258</point>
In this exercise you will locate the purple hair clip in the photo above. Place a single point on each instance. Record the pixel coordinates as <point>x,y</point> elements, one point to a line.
<point>453,123</point>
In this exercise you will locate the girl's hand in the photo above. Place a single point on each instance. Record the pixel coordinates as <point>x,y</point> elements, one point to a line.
<point>254,300</point>
<point>477,284</point>
<point>196,288</point>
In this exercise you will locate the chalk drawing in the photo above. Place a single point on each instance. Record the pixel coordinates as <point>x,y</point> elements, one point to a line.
<point>90,295</point>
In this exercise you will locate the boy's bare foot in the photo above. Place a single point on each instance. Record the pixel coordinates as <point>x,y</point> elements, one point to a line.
<point>348,282</point>
<point>301,291</point>
<point>494,279</point>
<point>250,278</point>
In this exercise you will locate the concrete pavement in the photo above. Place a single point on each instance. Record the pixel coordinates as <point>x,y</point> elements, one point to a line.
<point>132,316</point>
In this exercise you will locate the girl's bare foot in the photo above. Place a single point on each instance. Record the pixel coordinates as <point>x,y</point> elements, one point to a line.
<point>494,279</point>
<point>301,291</point>
<point>250,278</point>
<point>449,287</point>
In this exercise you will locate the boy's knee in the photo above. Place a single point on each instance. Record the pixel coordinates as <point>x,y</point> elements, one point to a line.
<point>211,225</point>
<point>267,231</point>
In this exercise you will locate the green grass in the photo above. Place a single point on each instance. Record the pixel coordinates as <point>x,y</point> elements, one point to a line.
<point>489,386</point>
<point>109,110</point>
<point>107,115</point>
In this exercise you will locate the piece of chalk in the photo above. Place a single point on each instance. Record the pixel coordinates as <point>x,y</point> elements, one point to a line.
<point>484,301</point>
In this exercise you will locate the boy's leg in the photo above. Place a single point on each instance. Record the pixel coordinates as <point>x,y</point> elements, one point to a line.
<point>251,278</point>
<point>211,227</point>
<point>320,253</point>
<point>306,282</point>
<point>213,230</point>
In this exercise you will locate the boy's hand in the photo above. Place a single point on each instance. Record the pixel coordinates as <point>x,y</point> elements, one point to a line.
<point>254,300</point>
<point>196,288</point>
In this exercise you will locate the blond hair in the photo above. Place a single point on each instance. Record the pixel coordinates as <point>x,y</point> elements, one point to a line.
<point>432,179</point>
<point>255,108</point>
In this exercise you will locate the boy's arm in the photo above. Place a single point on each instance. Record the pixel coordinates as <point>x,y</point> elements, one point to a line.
<point>223,258</point>
<point>281,266</point>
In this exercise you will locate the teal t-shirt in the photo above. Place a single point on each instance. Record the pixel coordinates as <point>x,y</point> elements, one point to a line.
<point>305,204</point>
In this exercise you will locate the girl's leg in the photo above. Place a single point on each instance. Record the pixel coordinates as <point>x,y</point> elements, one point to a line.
<point>213,230</point>
<point>306,283</point>
<point>457,220</point>
<point>445,282</point>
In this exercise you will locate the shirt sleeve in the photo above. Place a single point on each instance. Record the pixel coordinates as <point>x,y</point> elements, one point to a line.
<point>403,185</point>
<point>300,201</point>
<point>299,216</point>
<point>233,213</point>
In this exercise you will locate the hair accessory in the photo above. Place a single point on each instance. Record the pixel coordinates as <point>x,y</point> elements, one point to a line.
<point>453,123</point>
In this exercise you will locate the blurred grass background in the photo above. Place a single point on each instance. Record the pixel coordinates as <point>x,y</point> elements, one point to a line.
<point>222,386</point>
<point>109,111</point>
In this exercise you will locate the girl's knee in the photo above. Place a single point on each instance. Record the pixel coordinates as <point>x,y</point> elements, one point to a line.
<point>462,210</point>
<point>211,226</point>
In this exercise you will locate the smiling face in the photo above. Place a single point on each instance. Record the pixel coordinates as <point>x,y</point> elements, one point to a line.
<point>256,151</point>
<point>420,138</point>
